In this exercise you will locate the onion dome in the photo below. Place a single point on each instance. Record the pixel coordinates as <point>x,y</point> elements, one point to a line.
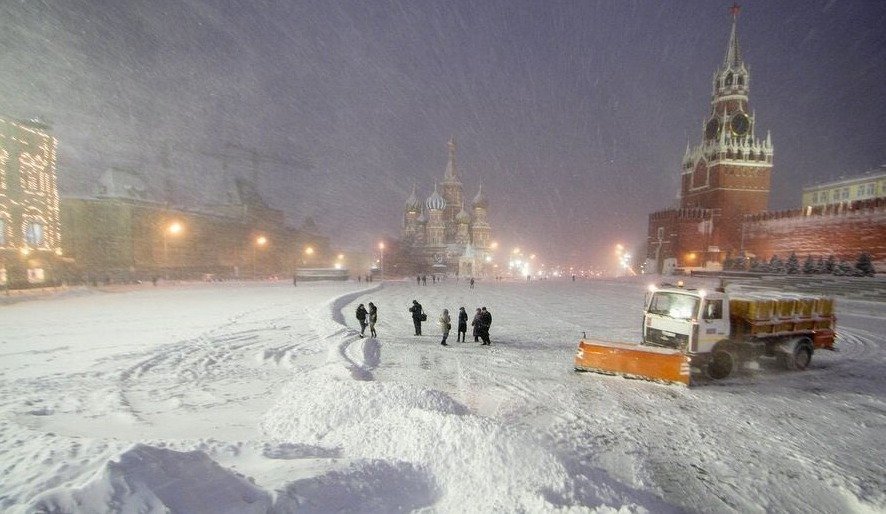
<point>480,199</point>
<point>412,203</point>
<point>462,217</point>
<point>435,201</point>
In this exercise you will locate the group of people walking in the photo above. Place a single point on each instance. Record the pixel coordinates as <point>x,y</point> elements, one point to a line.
<point>371,314</point>
<point>481,322</point>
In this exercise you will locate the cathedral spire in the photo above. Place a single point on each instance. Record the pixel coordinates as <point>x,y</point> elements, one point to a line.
<point>451,168</point>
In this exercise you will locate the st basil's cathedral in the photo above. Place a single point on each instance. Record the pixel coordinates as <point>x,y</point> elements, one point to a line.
<point>445,234</point>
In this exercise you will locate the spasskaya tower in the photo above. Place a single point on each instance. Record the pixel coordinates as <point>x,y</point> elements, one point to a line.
<point>723,178</point>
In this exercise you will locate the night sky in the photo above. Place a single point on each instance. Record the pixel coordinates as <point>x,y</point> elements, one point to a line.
<point>575,115</point>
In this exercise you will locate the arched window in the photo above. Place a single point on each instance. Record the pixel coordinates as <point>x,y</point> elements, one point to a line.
<point>729,79</point>
<point>740,80</point>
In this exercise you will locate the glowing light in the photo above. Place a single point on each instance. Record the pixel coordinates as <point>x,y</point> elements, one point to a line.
<point>652,288</point>
<point>261,240</point>
<point>309,250</point>
<point>381,246</point>
<point>341,256</point>
<point>175,228</point>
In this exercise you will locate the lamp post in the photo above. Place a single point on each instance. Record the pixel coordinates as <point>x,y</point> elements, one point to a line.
<point>173,229</point>
<point>260,241</point>
<point>381,249</point>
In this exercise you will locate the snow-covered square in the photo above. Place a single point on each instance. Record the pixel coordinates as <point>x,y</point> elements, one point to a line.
<point>262,397</point>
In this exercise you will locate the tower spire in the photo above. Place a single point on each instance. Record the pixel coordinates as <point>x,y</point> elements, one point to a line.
<point>733,54</point>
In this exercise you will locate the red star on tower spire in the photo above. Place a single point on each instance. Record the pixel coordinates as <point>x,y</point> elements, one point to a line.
<point>734,10</point>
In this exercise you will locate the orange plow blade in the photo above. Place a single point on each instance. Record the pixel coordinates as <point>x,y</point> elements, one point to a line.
<point>633,361</point>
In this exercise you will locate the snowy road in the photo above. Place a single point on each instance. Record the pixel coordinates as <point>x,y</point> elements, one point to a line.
<point>257,398</point>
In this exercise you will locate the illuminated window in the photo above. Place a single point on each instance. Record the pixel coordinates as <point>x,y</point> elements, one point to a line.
<point>4,157</point>
<point>34,234</point>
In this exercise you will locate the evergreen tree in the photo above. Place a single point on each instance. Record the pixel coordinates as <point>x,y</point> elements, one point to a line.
<point>792,267</point>
<point>843,269</point>
<point>830,264</point>
<point>776,265</point>
<point>808,265</point>
<point>864,266</point>
<point>819,266</point>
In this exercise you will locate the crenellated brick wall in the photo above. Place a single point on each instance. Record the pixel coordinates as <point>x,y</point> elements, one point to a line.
<point>842,230</point>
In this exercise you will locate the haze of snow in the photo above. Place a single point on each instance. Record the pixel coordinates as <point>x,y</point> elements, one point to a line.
<point>564,107</point>
<point>262,398</point>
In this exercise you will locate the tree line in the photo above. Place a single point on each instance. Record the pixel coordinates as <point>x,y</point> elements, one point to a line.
<point>863,266</point>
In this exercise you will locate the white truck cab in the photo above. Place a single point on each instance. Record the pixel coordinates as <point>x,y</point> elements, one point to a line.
<point>687,319</point>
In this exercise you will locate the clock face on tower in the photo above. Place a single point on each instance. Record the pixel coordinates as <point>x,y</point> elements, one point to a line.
<point>740,124</point>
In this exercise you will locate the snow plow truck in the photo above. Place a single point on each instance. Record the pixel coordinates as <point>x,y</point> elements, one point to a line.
<point>690,332</point>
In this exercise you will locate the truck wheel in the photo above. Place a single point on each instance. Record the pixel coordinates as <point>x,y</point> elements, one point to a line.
<point>799,358</point>
<point>721,365</point>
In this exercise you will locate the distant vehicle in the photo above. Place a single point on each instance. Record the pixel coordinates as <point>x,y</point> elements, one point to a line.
<point>713,333</point>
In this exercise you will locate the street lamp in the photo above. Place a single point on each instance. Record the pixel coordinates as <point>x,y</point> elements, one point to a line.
<point>173,229</point>
<point>260,241</point>
<point>381,249</point>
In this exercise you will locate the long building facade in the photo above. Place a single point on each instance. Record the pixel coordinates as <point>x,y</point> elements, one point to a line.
<point>440,235</point>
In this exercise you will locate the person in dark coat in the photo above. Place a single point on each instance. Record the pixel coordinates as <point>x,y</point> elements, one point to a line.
<point>373,317</point>
<point>475,323</point>
<point>462,324</point>
<point>361,317</point>
<point>417,315</point>
<point>472,282</point>
<point>485,323</point>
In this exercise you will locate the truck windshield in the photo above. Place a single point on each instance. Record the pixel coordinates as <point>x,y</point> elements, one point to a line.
<point>674,305</point>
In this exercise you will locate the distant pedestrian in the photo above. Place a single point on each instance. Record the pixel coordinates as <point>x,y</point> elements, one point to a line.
<point>433,279</point>
<point>418,280</point>
<point>154,280</point>
<point>472,282</point>
<point>294,281</point>
<point>445,326</point>
<point>424,280</point>
<point>373,317</point>
<point>462,324</point>
<point>361,317</point>
<point>418,315</point>
<point>485,323</point>
<point>475,323</point>
<point>573,278</point>
<point>359,279</point>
